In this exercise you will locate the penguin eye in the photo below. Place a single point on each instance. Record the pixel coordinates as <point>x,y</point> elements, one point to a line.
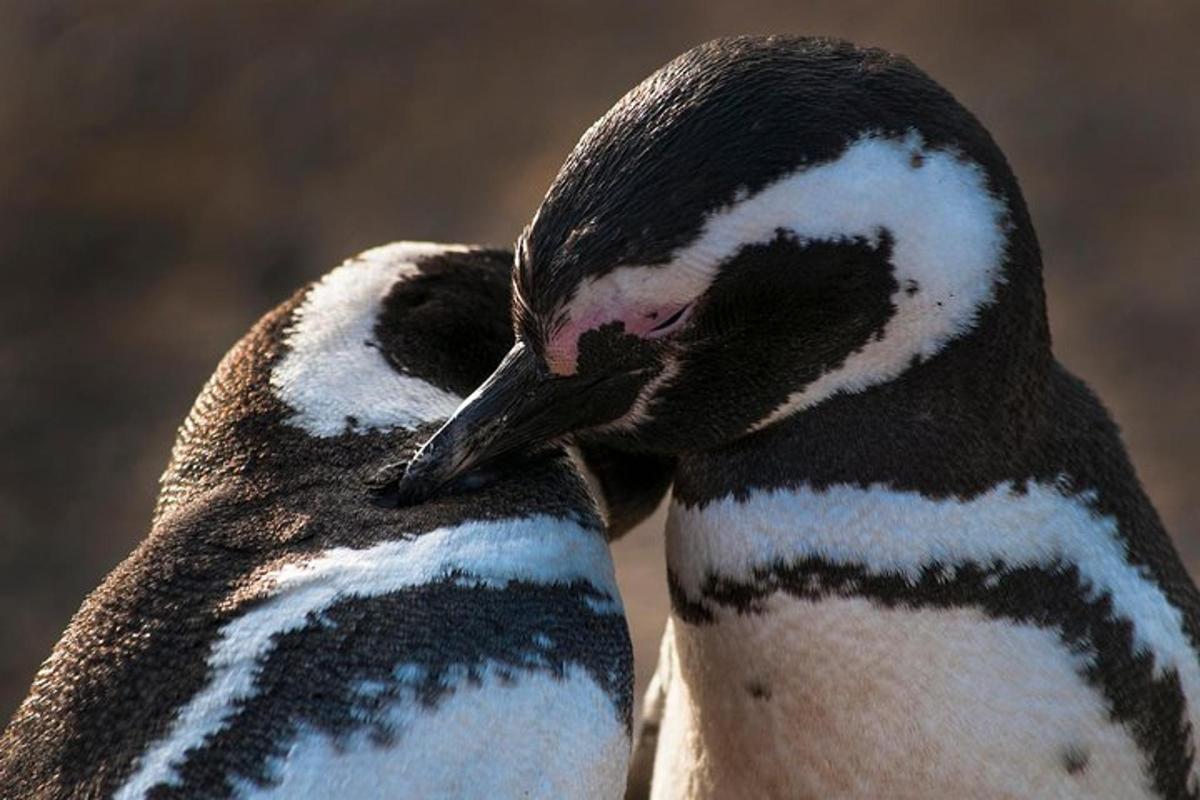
<point>668,324</point>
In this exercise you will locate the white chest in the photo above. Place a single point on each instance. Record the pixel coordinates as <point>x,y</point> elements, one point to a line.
<point>538,736</point>
<point>843,696</point>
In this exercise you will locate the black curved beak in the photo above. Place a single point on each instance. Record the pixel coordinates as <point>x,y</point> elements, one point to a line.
<point>522,403</point>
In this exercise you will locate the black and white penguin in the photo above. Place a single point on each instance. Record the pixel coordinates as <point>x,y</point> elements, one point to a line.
<point>908,555</point>
<point>283,632</point>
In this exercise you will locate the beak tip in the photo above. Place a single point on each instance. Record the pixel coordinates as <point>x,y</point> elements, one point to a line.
<point>482,429</point>
<point>411,491</point>
<point>411,486</point>
<point>406,483</point>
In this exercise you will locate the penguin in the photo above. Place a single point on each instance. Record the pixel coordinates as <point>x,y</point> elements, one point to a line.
<point>908,555</point>
<point>286,631</point>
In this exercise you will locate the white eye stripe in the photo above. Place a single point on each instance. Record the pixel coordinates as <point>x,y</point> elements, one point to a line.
<point>949,234</point>
<point>332,371</point>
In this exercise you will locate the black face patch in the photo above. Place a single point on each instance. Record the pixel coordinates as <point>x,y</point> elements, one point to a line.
<point>1151,707</point>
<point>410,648</point>
<point>778,316</point>
<point>609,350</point>
<point>442,325</point>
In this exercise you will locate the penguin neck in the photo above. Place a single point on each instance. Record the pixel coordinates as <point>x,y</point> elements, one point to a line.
<point>949,426</point>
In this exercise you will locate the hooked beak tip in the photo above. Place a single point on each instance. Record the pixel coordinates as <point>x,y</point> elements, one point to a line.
<point>392,487</point>
<point>519,406</point>
<point>434,466</point>
<point>413,490</point>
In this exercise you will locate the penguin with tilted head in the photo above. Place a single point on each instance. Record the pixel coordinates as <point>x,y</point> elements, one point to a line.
<point>286,631</point>
<point>907,553</point>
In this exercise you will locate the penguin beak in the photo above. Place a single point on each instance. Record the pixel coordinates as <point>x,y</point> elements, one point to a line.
<point>522,403</point>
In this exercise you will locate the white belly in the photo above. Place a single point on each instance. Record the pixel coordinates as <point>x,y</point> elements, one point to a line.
<point>841,698</point>
<point>537,737</point>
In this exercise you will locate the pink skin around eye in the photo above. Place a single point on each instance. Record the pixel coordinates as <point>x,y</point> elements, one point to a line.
<point>562,352</point>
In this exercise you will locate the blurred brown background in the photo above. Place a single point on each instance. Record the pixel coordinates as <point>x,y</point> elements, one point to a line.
<point>171,170</point>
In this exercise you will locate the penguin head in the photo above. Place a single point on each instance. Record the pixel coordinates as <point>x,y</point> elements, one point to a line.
<point>313,405</point>
<point>763,224</point>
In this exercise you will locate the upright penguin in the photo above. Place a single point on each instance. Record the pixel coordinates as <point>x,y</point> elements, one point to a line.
<point>286,632</point>
<point>908,555</point>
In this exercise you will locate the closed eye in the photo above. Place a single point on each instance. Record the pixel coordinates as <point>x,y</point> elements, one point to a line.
<point>670,321</point>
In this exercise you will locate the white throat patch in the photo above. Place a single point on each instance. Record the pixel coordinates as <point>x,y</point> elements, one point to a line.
<point>948,229</point>
<point>334,371</point>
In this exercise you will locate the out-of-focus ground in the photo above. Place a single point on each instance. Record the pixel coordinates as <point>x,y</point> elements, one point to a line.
<point>169,171</point>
